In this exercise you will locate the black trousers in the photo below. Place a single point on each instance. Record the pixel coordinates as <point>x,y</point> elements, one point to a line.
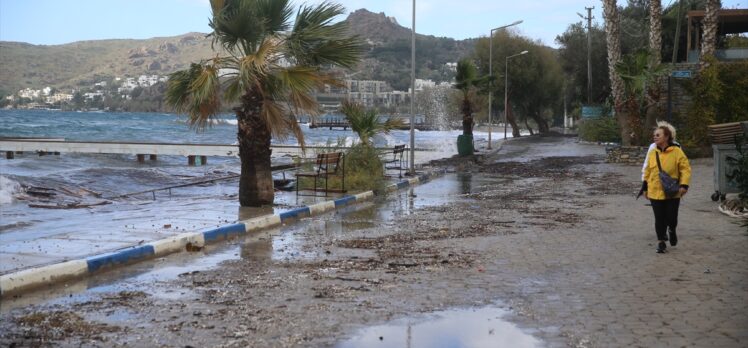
<point>666,215</point>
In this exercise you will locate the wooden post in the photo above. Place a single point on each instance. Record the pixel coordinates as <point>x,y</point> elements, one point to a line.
<point>191,160</point>
<point>153,157</point>
<point>9,155</point>
<point>141,158</point>
<point>203,160</point>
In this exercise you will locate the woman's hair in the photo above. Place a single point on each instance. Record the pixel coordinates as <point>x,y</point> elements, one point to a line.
<point>668,132</point>
<point>665,125</point>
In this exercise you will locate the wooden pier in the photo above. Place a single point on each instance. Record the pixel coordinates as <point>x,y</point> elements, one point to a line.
<point>197,154</point>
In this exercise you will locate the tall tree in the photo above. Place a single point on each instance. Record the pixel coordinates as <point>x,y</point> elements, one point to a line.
<point>573,58</point>
<point>613,39</point>
<point>709,41</point>
<point>271,68</point>
<point>534,81</point>
<point>654,89</point>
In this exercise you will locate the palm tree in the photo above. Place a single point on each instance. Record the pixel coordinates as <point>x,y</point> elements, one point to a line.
<point>271,69</point>
<point>613,41</point>
<point>366,122</point>
<point>639,75</point>
<point>709,42</point>
<point>467,82</point>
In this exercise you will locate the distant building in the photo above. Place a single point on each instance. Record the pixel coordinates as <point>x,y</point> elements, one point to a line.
<point>92,95</point>
<point>29,93</point>
<point>369,93</point>
<point>59,97</point>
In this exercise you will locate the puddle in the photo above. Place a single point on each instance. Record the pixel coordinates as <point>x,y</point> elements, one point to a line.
<point>473,328</point>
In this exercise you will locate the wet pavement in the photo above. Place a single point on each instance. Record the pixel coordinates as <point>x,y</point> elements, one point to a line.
<point>559,242</point>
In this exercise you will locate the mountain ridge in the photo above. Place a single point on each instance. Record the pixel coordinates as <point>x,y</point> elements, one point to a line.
<point>79,64</point>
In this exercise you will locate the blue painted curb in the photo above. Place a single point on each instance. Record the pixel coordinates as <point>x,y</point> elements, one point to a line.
<point>295,213</point>
<point>345,200</point>
<point>119,257</point>
<point>223,232</point>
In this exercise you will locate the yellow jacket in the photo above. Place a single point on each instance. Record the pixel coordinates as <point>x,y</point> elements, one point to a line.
<point>674,162</point>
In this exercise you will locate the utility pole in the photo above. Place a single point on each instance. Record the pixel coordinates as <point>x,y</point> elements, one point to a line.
<point>589,51</point>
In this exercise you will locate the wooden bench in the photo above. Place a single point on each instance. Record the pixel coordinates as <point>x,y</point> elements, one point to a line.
<point>396,161</point>
<point>327,165</point>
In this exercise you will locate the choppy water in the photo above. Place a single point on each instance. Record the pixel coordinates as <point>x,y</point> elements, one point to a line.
<point>90,178</point>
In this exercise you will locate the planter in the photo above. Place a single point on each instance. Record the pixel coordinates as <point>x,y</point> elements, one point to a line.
<point>465,145</point>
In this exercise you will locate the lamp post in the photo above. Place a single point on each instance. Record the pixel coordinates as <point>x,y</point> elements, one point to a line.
<point>490,73</point>
<point>412,170</point>
<point>506,85</point>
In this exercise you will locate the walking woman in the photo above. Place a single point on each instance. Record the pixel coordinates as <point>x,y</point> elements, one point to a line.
<point>670,159</point>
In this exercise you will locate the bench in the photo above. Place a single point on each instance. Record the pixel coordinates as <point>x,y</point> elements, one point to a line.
<point>326,165</point>
<point>396,161</point>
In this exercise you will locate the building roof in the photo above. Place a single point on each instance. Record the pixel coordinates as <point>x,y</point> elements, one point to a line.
<point>731,21</point>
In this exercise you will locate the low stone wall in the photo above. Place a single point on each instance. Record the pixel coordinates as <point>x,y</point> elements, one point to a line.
<point>633,155</point>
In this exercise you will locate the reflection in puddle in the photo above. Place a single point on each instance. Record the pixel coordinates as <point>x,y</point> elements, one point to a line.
<point>477,328</point>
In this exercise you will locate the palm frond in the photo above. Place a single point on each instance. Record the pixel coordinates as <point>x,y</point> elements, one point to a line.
<point>392,124</point>
<point>274,117</point>
<point>195,92</point>
<point>465,75</point>
<point>277,14</point>
<point>237,26</point>
<point>178,87</point>
<point>364,122</point>
<point>315,41</point>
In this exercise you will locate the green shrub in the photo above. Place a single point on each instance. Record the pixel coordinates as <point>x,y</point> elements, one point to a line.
<point>733,103</point>
<point>739,173</point>
<point>705,91</point>
<point>603,129</point>
<point>364,170</point>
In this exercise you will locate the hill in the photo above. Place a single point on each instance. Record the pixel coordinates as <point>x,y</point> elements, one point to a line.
<point>80,64</point>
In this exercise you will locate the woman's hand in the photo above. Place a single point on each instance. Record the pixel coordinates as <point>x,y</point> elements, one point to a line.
<point>682,191</point>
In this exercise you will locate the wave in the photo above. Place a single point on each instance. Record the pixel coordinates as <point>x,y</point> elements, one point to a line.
<point>212,122</point>
<point>8,188</point>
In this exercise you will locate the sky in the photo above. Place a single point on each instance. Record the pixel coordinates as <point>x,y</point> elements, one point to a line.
<point>54,22</point>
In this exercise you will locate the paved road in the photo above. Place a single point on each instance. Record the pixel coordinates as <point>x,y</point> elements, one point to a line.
<point>543,226</point>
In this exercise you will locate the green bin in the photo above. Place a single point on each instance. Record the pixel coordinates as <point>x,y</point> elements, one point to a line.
<point>465,145</point>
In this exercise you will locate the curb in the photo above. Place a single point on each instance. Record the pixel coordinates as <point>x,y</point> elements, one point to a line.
<point>32,278</point>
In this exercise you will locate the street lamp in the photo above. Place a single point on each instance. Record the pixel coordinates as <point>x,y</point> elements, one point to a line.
<point>490,73</point>
<point>413,94</point>
<point>506,85</point>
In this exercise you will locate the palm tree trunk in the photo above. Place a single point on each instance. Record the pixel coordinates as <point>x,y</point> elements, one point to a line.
<point>654,92</point>
<point>655,30</point>
<point>613,40</point>
<point>256,179</point>
<point>467,117</point>
<point>709,41</point>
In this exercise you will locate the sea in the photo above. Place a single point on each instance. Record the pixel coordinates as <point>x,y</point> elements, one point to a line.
<point>30,184</point>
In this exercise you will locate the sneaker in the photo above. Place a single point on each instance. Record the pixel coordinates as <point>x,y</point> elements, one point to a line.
<point>661,248</point>
<point>673,236</point>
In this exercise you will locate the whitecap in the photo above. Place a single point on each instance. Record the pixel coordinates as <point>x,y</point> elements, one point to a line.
<point>8,188</point>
